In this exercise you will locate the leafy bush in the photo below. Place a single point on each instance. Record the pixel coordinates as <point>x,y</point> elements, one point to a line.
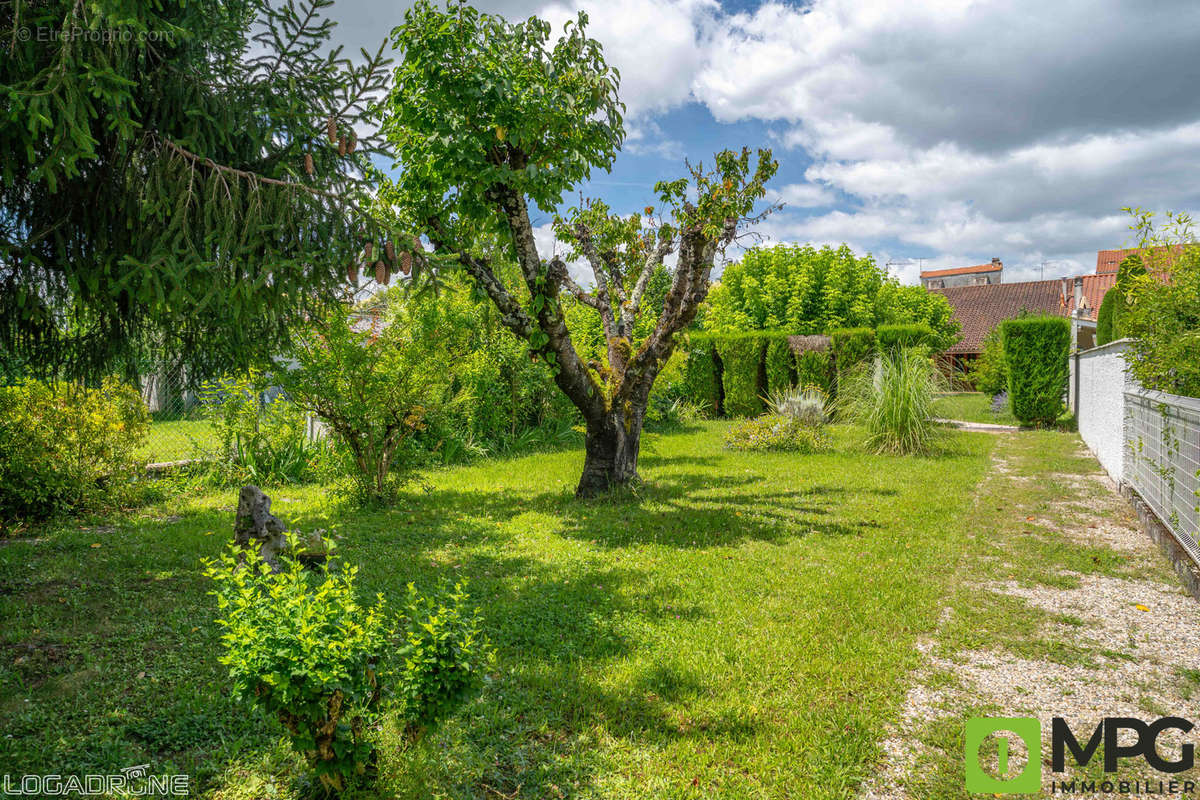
<point>893,400</point>
<point>805,404</point>
<point>777,432</point>
<point>374,390</point>
<point>1110,319</point>
<point>300,645</point>
<point>1036,350</point>
<point>741,371</point>
<point>67,447</point>
<point>900,337</point>
<point>701,379</point>
<point>440,657</point>
<point>989,372</point>
<point>261,441</point>
<point>780,364</point>
<point>851,347</point>
<point>815,368</point>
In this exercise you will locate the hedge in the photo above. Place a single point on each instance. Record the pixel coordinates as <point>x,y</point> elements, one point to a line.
<point>851,347</point>
<point>702,374</point>
<point>895,337</point>
<point>1036,349</point>
<point>780,366</point>
<point>815,368</point>
<point>742,361</point>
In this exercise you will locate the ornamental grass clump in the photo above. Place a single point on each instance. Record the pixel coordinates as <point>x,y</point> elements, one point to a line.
<point>893,400</point>
<point>805,404</point>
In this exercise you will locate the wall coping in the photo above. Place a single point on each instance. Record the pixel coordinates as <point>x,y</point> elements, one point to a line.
<point>1115,346</point>
<point>1178,400</point>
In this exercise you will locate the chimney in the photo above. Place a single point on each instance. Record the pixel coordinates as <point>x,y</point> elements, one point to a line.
<point>1078,297</point>
<point>996,262</point>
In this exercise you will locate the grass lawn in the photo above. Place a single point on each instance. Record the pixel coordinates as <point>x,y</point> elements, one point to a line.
<point>972,407</point>
<point>743,626</point>
<point>176,440</point>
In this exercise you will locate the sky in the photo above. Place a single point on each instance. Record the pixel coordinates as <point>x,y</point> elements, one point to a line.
<point>931,134</point>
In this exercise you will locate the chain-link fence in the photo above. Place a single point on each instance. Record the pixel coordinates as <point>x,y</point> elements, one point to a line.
<point>1162,463</point>
<point>181,425</point>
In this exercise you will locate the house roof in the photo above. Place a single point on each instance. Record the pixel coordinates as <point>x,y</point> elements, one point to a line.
<point>941,273</point>
<point>978,309</point>
<point>1110,260</point>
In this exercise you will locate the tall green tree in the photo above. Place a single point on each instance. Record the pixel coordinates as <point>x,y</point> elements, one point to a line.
<point>184,177</point>
<point>491,118</point>
<point>809,290</point>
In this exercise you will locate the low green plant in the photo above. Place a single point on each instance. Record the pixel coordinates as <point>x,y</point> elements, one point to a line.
<point>1035,350</point>
<point>893,400</point>
<point>262,441</point>
<point>67,447</point>
<point>805,404</point>
<point>441,657</point>
<point>777,432</point>
<point>300,645</point>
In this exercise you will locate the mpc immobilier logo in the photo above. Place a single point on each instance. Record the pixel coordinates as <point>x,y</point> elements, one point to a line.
<point>1113,740</point>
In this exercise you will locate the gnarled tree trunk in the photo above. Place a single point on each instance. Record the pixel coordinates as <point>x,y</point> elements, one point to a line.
<point>611,452</point>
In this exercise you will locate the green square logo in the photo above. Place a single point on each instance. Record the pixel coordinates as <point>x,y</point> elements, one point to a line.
<point>1029,730</point>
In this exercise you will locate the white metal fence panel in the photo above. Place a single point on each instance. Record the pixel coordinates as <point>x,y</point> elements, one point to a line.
<point>1162,460</point>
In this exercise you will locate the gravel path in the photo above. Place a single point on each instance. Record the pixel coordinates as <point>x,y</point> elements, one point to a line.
<point>1133,641</point>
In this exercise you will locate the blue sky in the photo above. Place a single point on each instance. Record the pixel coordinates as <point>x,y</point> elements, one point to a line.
<point>938,133</point>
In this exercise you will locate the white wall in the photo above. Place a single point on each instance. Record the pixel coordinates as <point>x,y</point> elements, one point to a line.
<point>1098,392</point>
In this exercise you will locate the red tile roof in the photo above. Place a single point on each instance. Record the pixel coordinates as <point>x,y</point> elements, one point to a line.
<point>940,273</point>
<point>978,309</point>
<point>1110,260</point>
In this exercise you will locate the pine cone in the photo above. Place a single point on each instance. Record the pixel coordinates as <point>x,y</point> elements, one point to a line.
<point>331,129</point>
<point>389,251</point>
<point>352,272</point>
<point>353,143</point>
<point>406,262</point>
<point>382,274</point>
<point>308,164</point>
<point>368,249</point>
<point>417,244</point>
<point>341,145</point>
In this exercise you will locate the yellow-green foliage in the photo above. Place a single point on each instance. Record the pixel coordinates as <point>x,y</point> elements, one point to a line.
<point>778,432</point>
<point>67,447</point>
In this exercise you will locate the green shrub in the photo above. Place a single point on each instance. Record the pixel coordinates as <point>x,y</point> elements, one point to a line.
<point>989,372</point>
<point>1164,322</point>
<point>901,337</point>
<point>780,364</point>
<point>1036,350</point>
<point>1110,322</point>
<point>779,433</point>
<point>893,400</point>
<point>67,447</point>
<point>374,391</point>
<point>300,645</point>
<point>701,380</point>
<point>815,368</point>
<point>441,657</point>
<point>741,373</point>
<point>851,347</point>
<point>260,441</point>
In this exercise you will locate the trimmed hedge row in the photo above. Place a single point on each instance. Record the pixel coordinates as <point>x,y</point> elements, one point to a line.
<point>729,374</point>
<point>1036,350</point>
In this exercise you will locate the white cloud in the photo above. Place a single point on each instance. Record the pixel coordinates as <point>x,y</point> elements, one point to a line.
<point>804,195</point>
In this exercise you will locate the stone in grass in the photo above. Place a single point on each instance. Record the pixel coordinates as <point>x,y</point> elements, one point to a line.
<point>255,526</point>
